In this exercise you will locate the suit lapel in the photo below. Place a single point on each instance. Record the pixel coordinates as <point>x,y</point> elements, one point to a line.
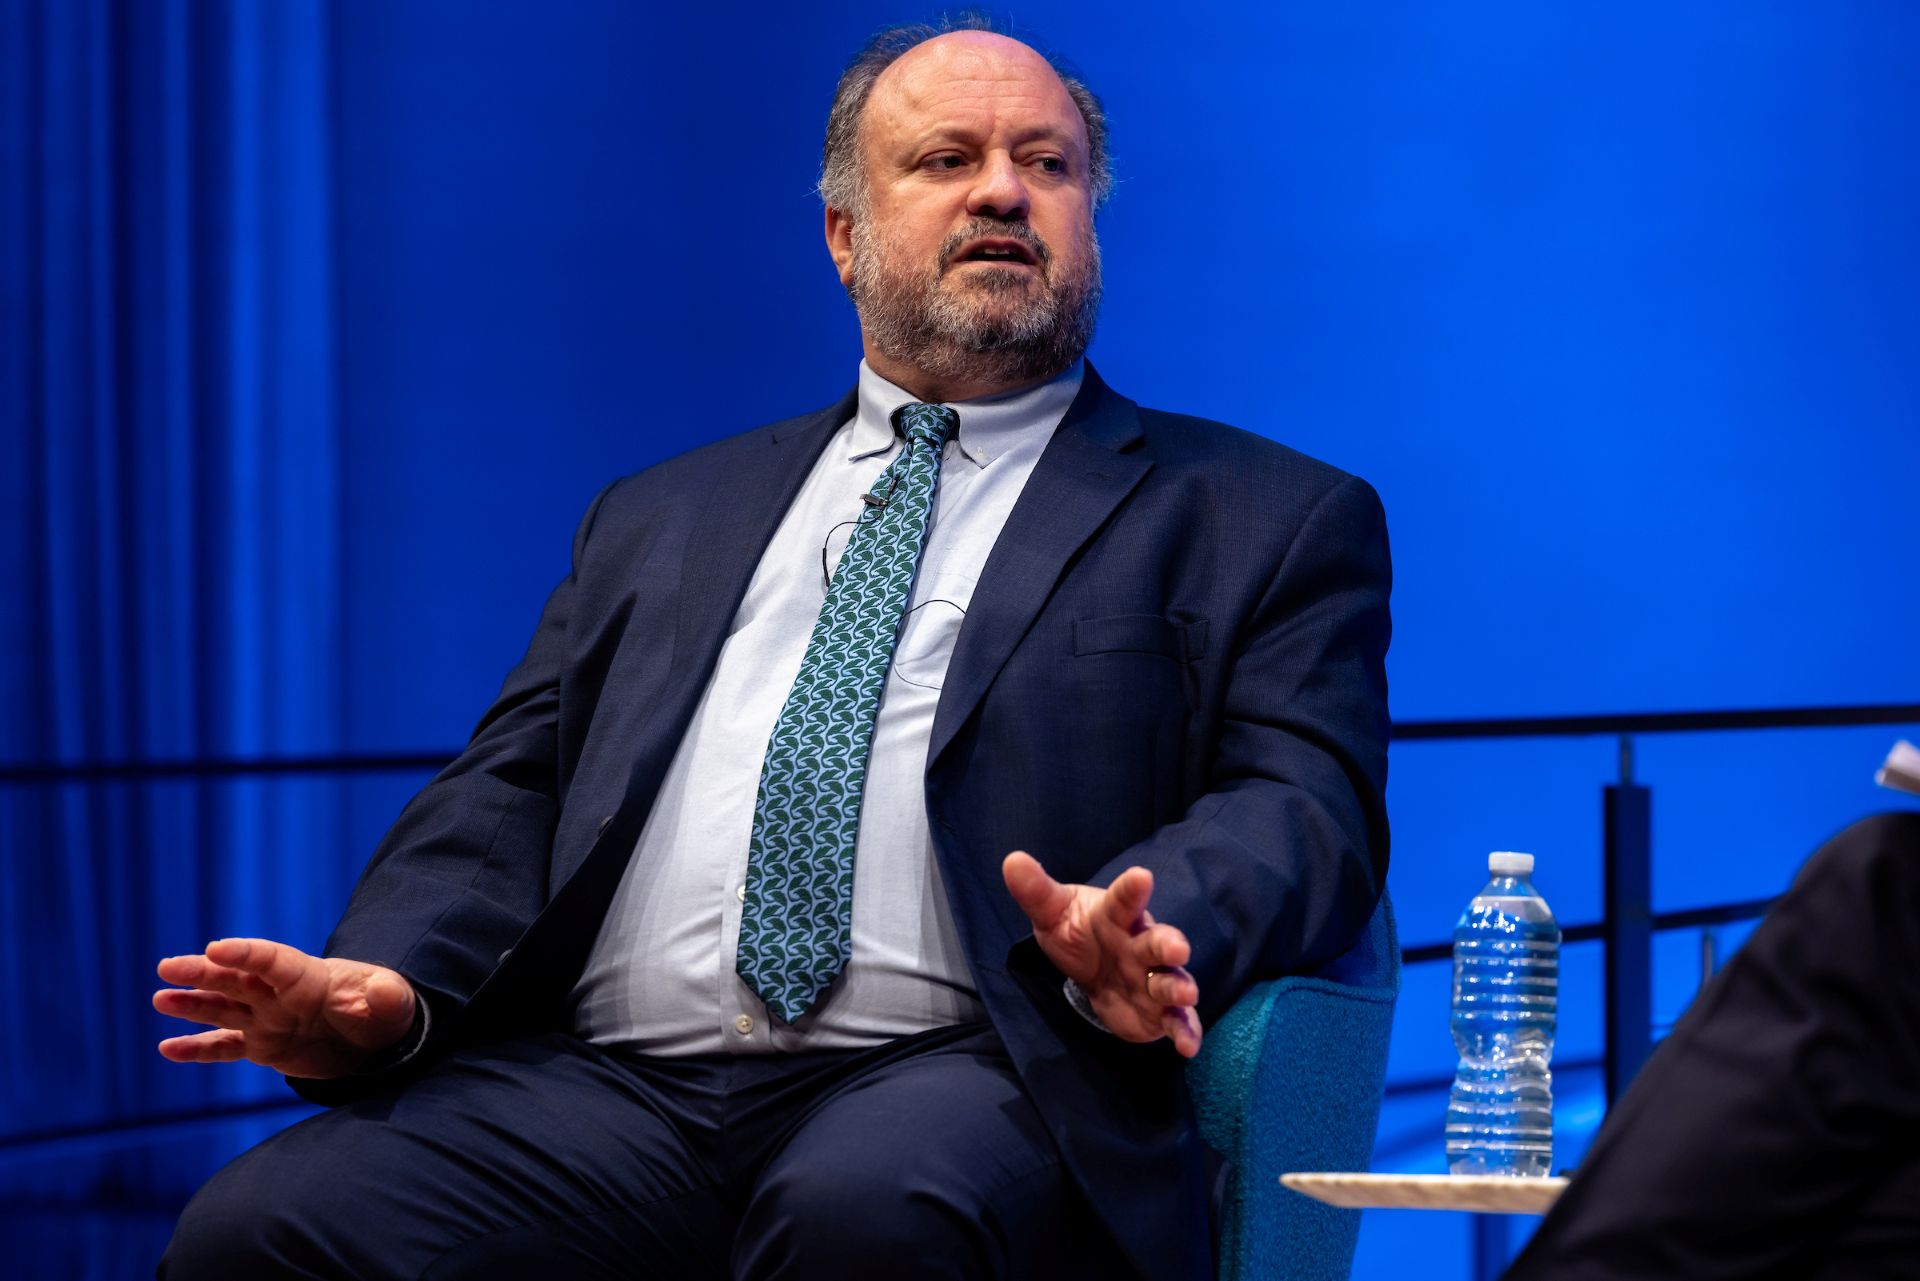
<point>742,510</point>
<point>734,520</point>
<point>1083,475</point>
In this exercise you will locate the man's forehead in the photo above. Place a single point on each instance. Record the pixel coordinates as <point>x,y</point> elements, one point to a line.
<point>965,69</point>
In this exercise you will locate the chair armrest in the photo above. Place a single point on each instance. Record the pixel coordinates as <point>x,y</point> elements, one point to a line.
<point>1291,1079</point>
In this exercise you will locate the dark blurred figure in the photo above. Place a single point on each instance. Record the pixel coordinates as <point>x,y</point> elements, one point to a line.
<point>1776,1132</point>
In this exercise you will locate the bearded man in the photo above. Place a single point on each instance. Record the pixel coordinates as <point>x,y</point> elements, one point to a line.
<point>718,951</point>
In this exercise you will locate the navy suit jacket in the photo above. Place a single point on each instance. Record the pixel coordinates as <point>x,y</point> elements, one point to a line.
<point>1174,658</point>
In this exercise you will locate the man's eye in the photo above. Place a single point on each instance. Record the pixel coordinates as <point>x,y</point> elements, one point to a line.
<point>1053,164</point>
<point>945,162</point>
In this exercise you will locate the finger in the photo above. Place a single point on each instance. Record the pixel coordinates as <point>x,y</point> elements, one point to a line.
<point>203,1007</point>
<point>1125,902</point>
<point>275,964</point>
<point>1182,1027</point>
<point>197,971</point>
<point>1166,946</point>
<point>205,1047</point>
<point>1172,986</point>
<point>1043,899</point>
<point>1159,947</point>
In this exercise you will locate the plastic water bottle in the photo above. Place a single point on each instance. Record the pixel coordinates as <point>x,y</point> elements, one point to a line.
<point>1506,985</point>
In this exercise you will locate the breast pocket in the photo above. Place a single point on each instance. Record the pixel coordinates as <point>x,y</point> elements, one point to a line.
<point>1140,634</point>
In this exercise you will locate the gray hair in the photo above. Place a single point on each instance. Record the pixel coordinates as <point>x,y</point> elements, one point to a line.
<point>843,176</point>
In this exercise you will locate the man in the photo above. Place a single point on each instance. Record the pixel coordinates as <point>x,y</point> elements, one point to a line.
<point>1776,1132</point>
<point>717,952</point>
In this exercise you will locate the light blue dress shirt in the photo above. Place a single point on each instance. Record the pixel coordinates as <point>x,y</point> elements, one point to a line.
<point>660,978</point>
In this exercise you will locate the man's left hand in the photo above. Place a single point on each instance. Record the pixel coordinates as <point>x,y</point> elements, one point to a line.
<point>1107,943</point>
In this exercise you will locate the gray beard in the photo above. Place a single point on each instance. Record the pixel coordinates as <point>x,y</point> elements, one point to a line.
<point>994,327</point>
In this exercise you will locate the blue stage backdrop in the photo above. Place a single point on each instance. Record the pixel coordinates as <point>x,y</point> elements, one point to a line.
<point>322,323</point>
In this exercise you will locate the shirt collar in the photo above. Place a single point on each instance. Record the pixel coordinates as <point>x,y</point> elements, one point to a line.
<point>989,426</point>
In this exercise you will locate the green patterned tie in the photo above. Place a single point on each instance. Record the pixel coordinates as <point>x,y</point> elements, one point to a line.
<point>796,931</point>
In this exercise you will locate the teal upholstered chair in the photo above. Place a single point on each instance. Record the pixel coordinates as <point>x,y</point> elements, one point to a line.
<point>1291,1079</point>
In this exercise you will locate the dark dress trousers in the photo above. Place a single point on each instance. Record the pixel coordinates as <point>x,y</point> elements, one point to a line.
<point>1174,658</point>
<point>1776,1132</point>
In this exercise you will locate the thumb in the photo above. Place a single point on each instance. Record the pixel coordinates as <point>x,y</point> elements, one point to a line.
<point>1042,898</point>
<point>390,998</point>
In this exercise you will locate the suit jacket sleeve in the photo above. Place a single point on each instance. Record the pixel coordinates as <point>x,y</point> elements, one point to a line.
<point>1277,867</point>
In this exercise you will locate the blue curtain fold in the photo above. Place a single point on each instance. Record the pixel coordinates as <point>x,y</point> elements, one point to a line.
<point>170,522</point>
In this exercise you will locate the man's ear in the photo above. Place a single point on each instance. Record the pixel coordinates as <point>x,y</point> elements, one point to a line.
<point>840,244</point>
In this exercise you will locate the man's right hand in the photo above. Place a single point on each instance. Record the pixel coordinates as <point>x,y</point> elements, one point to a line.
<point>313,1016</point>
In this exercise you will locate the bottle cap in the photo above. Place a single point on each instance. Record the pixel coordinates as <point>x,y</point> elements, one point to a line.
<point>1507,863</point>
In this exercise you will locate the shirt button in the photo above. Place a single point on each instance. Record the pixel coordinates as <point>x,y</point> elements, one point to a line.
<point>741,893</point>
<point>743,1025</point>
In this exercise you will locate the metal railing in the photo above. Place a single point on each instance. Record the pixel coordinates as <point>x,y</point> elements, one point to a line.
<point>1628,922</point>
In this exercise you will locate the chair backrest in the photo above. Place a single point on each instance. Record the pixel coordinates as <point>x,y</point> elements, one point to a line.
<point>1291,1079</point>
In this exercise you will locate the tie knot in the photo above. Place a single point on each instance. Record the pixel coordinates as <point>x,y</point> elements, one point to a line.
<point>931,425</point>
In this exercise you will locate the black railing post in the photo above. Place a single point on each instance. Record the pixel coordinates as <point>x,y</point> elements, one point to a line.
<point>1627,863</point>
<point>1492,1246</point>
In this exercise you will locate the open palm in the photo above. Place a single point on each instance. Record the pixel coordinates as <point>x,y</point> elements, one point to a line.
<point>275,1005</point>
<point>1107,942</point>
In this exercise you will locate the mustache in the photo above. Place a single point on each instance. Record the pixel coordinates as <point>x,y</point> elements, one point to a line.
<point>994,229</point>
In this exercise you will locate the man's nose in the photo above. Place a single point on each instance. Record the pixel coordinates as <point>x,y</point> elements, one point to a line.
<point>999,191</point>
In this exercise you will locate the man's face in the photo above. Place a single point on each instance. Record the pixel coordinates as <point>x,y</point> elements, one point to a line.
<point>974,258</point>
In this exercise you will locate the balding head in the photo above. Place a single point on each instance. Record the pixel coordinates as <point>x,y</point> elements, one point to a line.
<point>842,163</point>
<point>968,81</point>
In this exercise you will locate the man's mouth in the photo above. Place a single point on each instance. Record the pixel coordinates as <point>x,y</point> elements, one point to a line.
<point>997,250</point>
